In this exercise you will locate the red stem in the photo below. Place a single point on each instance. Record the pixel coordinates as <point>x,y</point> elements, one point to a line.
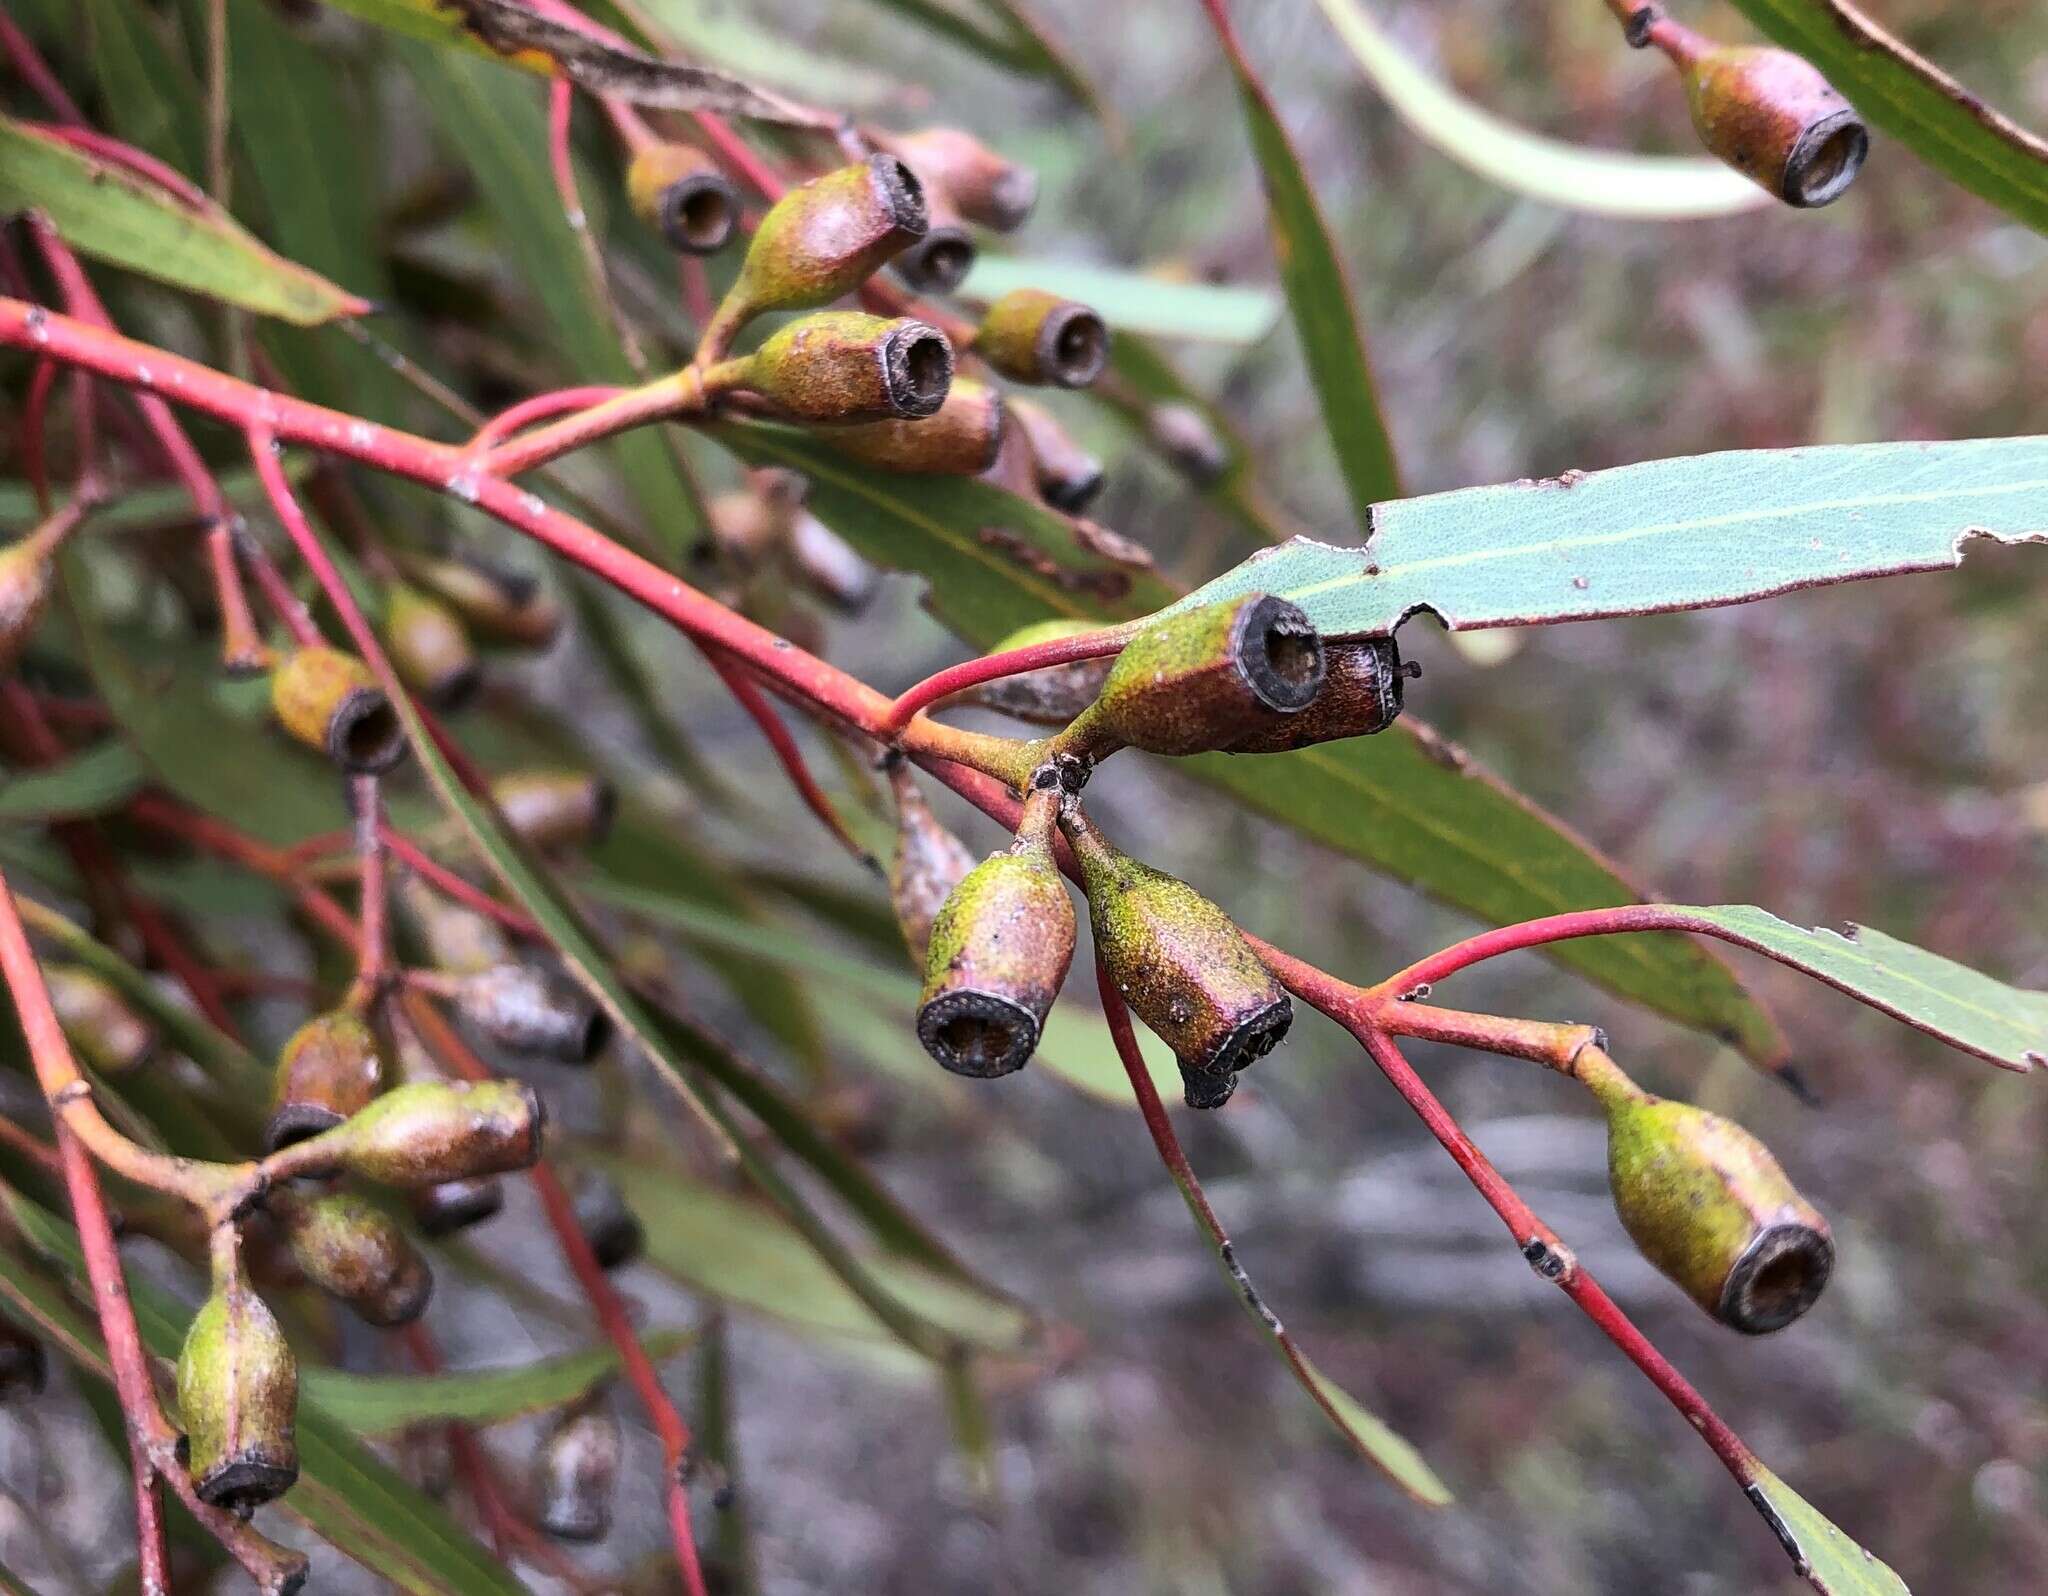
<point>33,70</point>
<point>125,1355</point>
<point>787,753</point>
<point>539,408</point>
<point>140,163</point>
<point>1013,662</point>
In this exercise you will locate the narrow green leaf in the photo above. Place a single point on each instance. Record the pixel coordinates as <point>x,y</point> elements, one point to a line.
<point>1910,98</point>
<point>149,95</point>
<point>1681,534</point>
<point>438,24</point>
<point>156,506</point>
<point>1832,1564</point>
<point>1325,321</point>
<point>378,1404</point>
<point>496,124</point>
<point>106,213</point>
<point>1602,182</point>
<point>344,1493</point>
<point>747,1255</point>
<point>90,783</point>
<point>1384,1446</point>
<point>1132,301</point>
<point>1968,1010</point>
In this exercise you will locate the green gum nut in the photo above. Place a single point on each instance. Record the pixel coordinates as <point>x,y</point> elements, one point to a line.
<point>105,1032</point>
<point>1708,1205</point>
<point>980,184</point>
<point>556,809</point>
<point>840,367</point>
<point>331,702</point>
<point>938,262</point>
<point>430,648</point>
<point>428,1132</point>
<point>238,1387</point>
<point>329,1069</point>
<point>1204,679</point>
<point>498,605</point>
<point>1034,337</point>
<point>535,1011</point>
<point>999,953</point>
<point>355,1252</point>
<point>1361,695</point>
<point>960,439</point>
<point>679,191</point>
<point>1181,964</point>
<point>827,237</point>
<point>1775,119</point>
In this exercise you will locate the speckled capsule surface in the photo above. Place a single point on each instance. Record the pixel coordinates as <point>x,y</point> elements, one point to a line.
<point>238,1387</point>
<point>1181,964</point>
<point>329,701</point>
<point>999,953</point>
<point>1204,679</point>
<point>959,440</point>
<point>826,237</point>
<point>1029,335</point>
<point>840,367</point>
<point>1706,1202</point>
<point>354,1251</point>
<point>927,864</point>
<point>329,1068</point>
<point>427,1132</point>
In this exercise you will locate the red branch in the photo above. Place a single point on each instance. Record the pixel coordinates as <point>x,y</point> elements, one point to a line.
<point>1013,662</point>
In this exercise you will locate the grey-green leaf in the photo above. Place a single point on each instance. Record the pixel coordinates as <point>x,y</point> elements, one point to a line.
<point>85,784</point>
<point>105,212</point>
<point>2007,1025</point>
<point>1832,1564</point>
<point>1683,534</point>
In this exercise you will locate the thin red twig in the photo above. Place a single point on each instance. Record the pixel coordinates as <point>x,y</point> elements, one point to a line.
<point>787,753</point>
<point>1012,662</point>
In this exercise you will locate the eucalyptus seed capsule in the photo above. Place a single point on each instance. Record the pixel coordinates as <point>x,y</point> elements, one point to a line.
<point>1204,678</point>
<point>1360,696</point>
<point>537,1011</point>
<point>452,1205</point>
<point>838,367</point>
<point>353,1251</point>
<point>980,184</point>
<point>999,953</point>
<point>576,1474</point>
<point>238,1387</point>
<point>430,648</point>
<point>556,810</point>
<point>103,1030</point>
<point>497,604</point>
<point>1052,696</point>
<point>608,1224</point>
<point>927,865</point>
<point>960,439</point>
<point>1708,1205</point>
<point>1068,477</point>
<point>1777,121</point>
<point>1181,964</point>
<point>426,1132</point>
<point>821,240</point>
<point>679,191</point>
<point>1031,336</point>
<point>330,1068</point>
<point>330,701</point>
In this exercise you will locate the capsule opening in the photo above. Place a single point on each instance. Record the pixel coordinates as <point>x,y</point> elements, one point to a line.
<point>940,262</point>
<point>1781,1275</point>
<point>902,193</point>
<point>365,735</point>
<point>246,1484</point>
<point>1080,347</point>
<point>295,1122</point>
<point>978,1034</point>
<point>1255,1037</point>
<point>1826,159</point>
<point>699,213</point>
<point>1074,490</point>
<point>919,364</point>
<point>1284,661</point>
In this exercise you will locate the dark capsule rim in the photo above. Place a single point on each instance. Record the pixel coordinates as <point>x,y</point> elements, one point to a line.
<point>1738,1306</point>
<point>1256,624</point>
<point>1061,366</point>
<point>674,204</point>
<point>1806,187</point>
<point>988,1007</point>
<point>939,261</point>
<point>901,192</point>
<point>1253,1037</point>
<point>916,387</point>
<point>246,1481</point>
<point>297,1122</point>
<point>365,709</point>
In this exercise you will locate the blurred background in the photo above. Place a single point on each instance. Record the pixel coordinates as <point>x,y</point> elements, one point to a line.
<point>1876,752</point>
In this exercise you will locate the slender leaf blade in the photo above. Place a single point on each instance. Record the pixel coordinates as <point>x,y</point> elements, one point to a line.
<point>1133,301</point>
<point>1325,320</point>
<point>105,212</point>
<point>90,783</point>
<point>378,1404</point>
<point>1371,1434</point>
<point>1910,98</point>
<point>1573,176</point>
<point>1688,533</point>
<point>1831,1563</point>
<point>1965,1008</point>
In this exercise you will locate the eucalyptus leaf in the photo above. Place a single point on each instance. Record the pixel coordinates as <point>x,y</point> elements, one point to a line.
<point>90,783</point>
<point>1689,533</point>
<point>1602,182</point>
<point>1132,301</point>
<point>1832,1564</point>
<point>108,213</point>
